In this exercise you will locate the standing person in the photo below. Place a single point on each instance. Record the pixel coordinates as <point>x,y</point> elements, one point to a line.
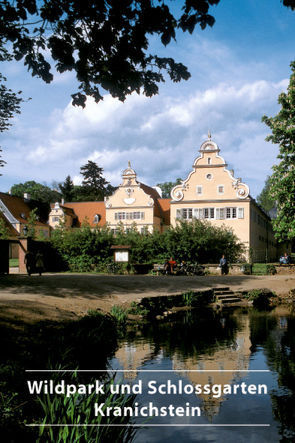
<point>29,262</point>
<point>223,265</point>
<point>172,264</point>
<point>39,262</point>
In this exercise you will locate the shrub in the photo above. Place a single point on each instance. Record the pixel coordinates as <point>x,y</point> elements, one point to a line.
<point>260,297</point>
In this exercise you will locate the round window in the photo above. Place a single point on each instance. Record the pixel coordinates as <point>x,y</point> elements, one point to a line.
<point>209,176</point>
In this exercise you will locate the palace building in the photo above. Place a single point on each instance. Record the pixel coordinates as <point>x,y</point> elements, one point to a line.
<point>210,192</point>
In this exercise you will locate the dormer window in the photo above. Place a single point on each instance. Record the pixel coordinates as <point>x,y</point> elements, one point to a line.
<point>97,218</point>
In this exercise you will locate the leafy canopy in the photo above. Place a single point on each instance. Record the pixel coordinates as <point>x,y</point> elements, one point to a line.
<point>282,182</point>
<point>105,42</point>
<point>264,199</point>
<point>167,187</point>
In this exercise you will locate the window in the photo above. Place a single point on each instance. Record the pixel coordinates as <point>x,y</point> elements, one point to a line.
<point>96,218</point>
<point>187,213</point>
<point>240,212</point>
<point>208,212</point>
<point>55,219</point>
<point>231,212</point>
<point>120,215</point>
<point>220,189</point>
<point>209,176</point>
<point>129,215</point>
<point>209,160</point>
<point>220,213</point>
<point>199,189</point>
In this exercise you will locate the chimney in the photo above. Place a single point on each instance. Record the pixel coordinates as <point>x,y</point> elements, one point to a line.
<point>27,197</point>
<point>62,201</point>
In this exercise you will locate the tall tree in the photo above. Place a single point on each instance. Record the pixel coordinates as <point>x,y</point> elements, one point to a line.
<point>93,184</point>
<point>282,182</point>
<point>37,191</point>
<point>67,189</point>
<point>264,199</point>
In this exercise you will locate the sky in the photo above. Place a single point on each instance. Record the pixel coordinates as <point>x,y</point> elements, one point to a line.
<point>238,68</point>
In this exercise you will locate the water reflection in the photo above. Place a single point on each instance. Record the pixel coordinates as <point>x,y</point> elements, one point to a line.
<point>233,340</point>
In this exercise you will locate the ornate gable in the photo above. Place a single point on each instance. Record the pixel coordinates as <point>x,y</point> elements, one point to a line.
<point>210,179</point>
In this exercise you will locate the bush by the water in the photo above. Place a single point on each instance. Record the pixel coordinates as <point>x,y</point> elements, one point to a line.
<point>260,297</point>
<point>87,249</point>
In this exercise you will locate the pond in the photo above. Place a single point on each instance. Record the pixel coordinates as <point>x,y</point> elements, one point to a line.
<point>246,355</point>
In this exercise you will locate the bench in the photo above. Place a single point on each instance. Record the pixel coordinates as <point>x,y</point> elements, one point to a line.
<point>158,269</point>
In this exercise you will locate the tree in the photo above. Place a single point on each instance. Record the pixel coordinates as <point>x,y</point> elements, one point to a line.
<point>9,106</point>
<point>282,182</point>
<point>93,184</point>
<point>264,199</point>
<point>67,189</point>
<point>40,197</point>
<point>105,42</point>
<point>166,187</point>
<point>37,191</point>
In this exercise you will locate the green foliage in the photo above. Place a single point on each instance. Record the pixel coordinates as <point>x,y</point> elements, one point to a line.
<point>188,298</point>
<point>9,101</point>
<point>247,268</point>
<point>264,199</point>
<point>200,241</point>
<point>137,309</point>
<point>193,299</point>
<point>105,43</point>
<point>120,314</point>
<point>260,297</point>
<point>13,262</point>
<point>282,182</point>
<point>4,231</point>
<point>32,223</point>
<point>67,189</point>
<point>37,191</point>
<point>167,187</point>
<point>83,249</point>
<point>79,409</point>
<point>93,184</point>
<point>87,250</point>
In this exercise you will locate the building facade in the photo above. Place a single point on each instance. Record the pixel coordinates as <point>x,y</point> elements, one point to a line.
<point>135,203</point>
<point>212,193</point>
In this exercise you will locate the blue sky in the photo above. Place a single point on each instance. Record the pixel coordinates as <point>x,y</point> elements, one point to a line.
<point>238,67</point>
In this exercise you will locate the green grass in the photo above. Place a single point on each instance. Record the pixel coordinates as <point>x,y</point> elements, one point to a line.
<point>13,262</point>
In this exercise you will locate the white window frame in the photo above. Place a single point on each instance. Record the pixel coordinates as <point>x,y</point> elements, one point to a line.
<point>232,212</point>
<point>241,213</point>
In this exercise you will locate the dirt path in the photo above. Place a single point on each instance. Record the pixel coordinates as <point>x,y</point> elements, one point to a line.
<point>68,296</point>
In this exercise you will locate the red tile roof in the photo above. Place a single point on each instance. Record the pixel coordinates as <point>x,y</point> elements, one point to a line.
<point>18,208</point>
<point>85,211</point>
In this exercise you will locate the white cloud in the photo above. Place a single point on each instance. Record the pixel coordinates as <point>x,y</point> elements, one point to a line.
<point>161,136</point>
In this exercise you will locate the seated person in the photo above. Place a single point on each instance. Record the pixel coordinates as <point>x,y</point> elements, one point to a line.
<point>285,259</point>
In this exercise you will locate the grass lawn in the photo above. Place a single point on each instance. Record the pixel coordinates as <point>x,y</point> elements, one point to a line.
<point>13,262</point>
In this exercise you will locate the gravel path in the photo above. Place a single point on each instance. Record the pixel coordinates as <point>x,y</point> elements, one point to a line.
<point>68,296</point>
